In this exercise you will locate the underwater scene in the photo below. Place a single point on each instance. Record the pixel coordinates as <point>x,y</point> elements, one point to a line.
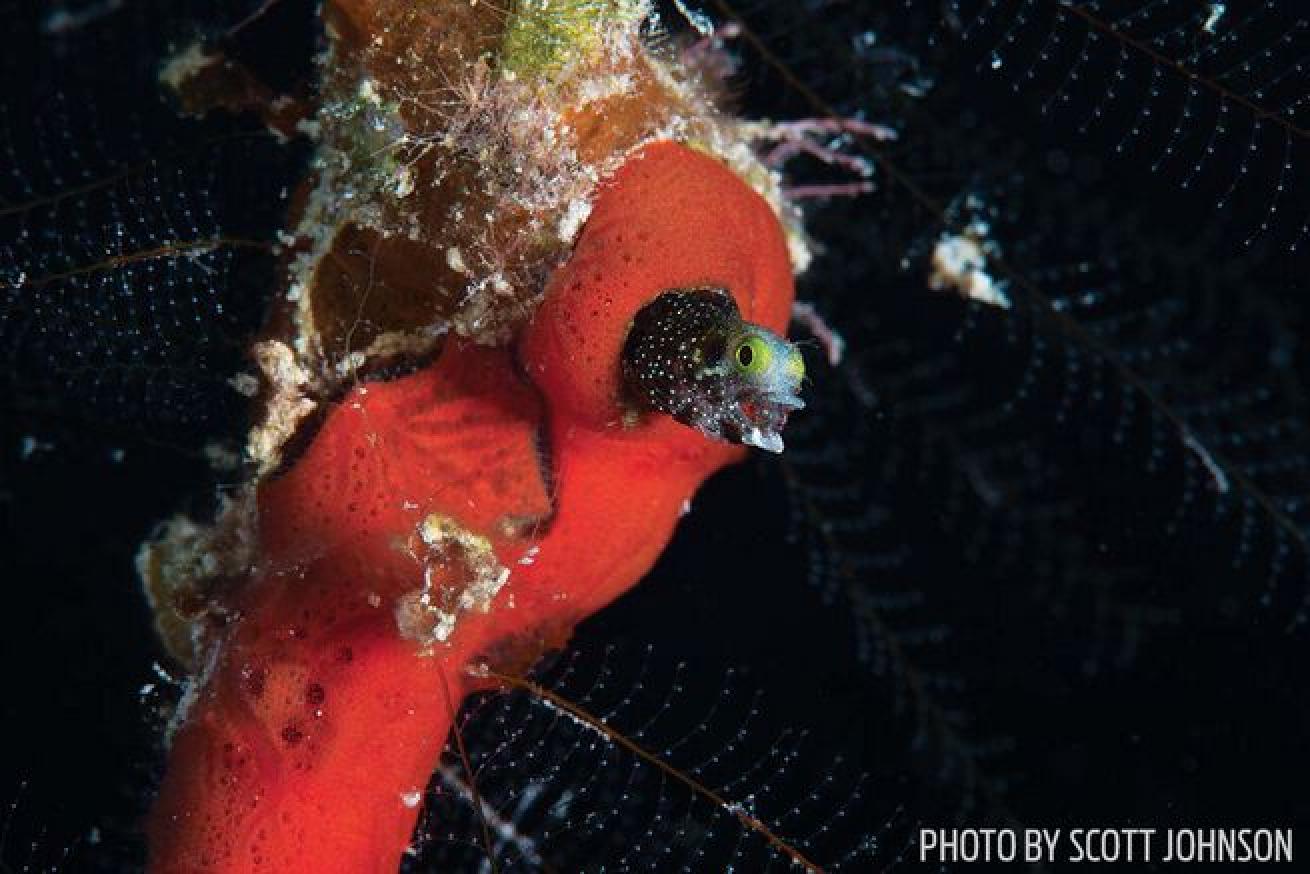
<point>627,435</point>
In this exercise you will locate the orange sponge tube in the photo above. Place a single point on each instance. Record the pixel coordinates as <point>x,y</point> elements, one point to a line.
<point>392,554</point>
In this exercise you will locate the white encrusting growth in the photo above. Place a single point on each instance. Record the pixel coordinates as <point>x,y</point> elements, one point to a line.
<point>182,559</point>
<point>574,217</point>
<point>289,404</point>
<point>461,574</point>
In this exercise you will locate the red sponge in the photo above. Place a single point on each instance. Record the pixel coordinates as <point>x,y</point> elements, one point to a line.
<point>461,514</point>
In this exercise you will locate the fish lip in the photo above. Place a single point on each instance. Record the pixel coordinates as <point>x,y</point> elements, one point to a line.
<point>786,401</point>
<point>769,441</point>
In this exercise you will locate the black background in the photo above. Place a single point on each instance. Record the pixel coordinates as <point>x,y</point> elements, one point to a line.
<point>992,577</point>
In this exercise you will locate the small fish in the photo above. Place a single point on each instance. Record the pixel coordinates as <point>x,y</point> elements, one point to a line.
<point>690,354</point>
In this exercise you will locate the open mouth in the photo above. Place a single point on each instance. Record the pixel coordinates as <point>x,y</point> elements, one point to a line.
<point>759,421</point>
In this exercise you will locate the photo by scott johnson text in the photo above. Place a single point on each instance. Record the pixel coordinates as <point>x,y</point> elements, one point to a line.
<point>1106,845</point>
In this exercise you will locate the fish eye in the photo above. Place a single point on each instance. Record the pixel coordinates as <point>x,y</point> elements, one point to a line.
<point>752,355</point>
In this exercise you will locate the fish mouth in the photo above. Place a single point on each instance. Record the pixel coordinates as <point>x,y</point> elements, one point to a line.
<point>758,421</point>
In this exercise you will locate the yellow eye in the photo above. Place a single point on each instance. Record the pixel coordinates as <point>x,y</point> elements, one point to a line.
<point>752,355</point>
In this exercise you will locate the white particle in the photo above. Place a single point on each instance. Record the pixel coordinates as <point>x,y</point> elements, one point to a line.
<point>699,21</point>
<point>31,446</point>
<point>245,384</point>
<point>1207,460</point>
<point>1217,11</point>
<point>958,262</point>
